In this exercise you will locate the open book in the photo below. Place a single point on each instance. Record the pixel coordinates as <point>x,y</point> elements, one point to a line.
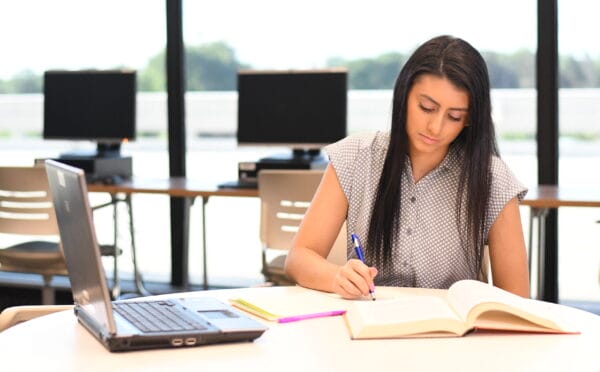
<point>468,305</point>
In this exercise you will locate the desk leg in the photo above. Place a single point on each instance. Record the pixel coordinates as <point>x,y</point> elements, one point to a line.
<point>116,290</point>
<point>532,212</point>
<point>204,250</point>
<point>538,214</point>
<point>139,284</point>
<point>180,229</point>
<point>541,252</point>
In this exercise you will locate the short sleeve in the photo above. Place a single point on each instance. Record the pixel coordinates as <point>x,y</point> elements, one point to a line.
<point>342,155</point>
<point>505,187</point>
<point>357,161</point>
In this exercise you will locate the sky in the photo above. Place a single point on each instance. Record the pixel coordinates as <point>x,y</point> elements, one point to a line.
<point>40,35</point>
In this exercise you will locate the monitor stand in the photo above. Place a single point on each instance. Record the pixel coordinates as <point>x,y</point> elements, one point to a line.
<point>103,150</point>
<point>105,165</point>
<point>297,159</point>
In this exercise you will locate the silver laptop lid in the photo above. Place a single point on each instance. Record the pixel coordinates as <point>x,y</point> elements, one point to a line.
<point>79,243</point>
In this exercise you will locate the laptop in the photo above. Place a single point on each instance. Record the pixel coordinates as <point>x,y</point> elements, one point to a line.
<point>129,325</point>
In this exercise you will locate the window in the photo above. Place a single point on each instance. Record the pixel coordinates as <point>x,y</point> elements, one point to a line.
<point>73,35</point>
<point>579,148</point>
<point>371,40</point>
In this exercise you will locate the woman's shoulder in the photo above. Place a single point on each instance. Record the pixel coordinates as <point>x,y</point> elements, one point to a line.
<point>357,161</point>
<point>499,166</point>
<point>504,178</point>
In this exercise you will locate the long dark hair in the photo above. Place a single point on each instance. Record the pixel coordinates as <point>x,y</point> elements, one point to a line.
<point>460,63</point>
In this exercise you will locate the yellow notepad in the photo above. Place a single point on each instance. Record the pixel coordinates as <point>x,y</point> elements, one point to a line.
<point>288,308</point>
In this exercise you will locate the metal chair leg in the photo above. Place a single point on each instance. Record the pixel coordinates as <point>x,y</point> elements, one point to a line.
<point>139,284</point>
<point>204,249</point>
<point>48,297</point>
<point>116,290</point>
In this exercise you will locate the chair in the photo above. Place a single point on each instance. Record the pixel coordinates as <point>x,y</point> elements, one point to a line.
<point>18,314</point>
<point>485,272</point>
<point>284,198</point>
<point>26,211</point>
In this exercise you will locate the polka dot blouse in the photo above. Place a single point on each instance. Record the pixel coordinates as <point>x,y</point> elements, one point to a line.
<point>427,252</point>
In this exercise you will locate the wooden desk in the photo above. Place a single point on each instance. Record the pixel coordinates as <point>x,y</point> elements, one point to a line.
<point>174,187</point>
<point>551,196</point>
<point>58,343</point>
<point>541,199</point>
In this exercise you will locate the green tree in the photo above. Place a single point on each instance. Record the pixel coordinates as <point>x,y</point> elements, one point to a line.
<point>372,73</point>
<point>578,73</point>
<point>24,82</point>
<point>214,66</point>
<point>523,61</point>
<point>152,77</point>
<point>516,70</point>
<point>502,75</point>
<point>210,66</point>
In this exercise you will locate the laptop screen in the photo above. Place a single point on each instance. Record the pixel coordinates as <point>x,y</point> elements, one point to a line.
<point>79,243</point>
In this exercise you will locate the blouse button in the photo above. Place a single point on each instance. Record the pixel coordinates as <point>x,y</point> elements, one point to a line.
<point>413,199</point>
<point>408,231</point>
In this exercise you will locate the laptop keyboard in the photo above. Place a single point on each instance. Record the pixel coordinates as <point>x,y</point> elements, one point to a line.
<point>156,316</point>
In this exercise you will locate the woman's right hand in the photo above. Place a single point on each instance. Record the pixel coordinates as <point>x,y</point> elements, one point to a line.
<point>354,280</point>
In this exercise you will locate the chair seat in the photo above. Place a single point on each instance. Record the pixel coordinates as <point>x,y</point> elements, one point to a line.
<point>277,263</point>
<point>34,254</point>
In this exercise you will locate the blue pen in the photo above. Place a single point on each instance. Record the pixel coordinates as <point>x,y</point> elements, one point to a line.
<point>361,257</point>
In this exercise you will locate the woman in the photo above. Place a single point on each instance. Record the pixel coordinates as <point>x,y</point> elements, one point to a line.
<point>425,197</point>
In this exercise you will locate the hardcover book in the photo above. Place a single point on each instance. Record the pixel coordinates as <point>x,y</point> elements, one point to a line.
<point>467,306</point>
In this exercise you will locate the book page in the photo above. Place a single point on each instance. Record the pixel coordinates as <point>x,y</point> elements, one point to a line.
<point>529,314</point>
<point>464,295</point>
<point>503,321</point>
<point>487,307</point>
<point>401,317</point>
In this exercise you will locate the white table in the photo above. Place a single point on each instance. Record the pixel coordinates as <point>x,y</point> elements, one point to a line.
<point>58,343</point>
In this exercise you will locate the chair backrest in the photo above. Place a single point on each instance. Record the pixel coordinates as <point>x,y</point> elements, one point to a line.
<point>25,202</point>
<point>285,195</point>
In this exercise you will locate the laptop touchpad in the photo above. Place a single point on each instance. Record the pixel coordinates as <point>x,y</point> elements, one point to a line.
<point>220,314</point>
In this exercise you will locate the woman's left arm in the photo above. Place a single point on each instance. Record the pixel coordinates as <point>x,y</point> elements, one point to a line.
<point>508,254</point>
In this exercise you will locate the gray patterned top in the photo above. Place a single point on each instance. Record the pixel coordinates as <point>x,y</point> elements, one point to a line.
<point>428,252</point>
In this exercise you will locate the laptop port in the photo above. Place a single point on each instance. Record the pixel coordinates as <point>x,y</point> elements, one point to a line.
<point>190,341</point>
<point>177,341</point>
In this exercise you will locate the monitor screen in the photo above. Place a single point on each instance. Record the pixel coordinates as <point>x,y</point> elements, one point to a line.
<point>297,109</point>
<point>90,105</point>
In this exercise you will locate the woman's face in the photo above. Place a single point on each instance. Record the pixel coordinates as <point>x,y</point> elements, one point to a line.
<point>436,114</point>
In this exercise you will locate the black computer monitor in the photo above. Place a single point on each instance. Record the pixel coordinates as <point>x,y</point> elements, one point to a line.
<point>92,105</point>
<point>303,110</point>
